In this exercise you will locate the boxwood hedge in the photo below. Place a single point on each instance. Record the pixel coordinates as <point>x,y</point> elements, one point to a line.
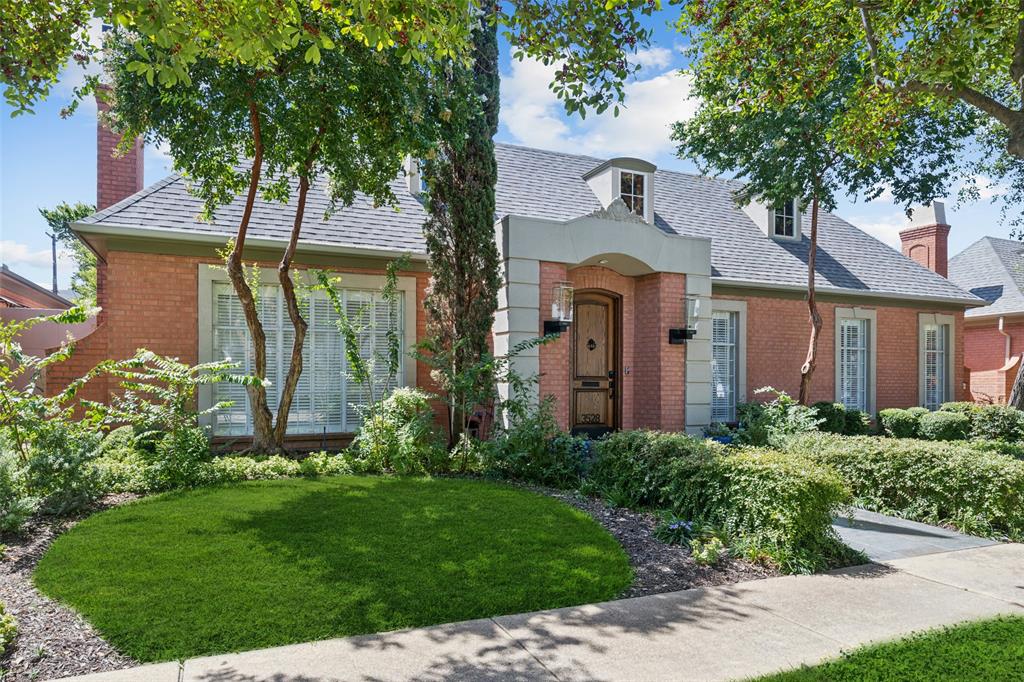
<point>772,503</point>
<point>978,491</point>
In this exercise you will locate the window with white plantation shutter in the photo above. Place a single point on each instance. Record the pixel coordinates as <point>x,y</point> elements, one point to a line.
<point>936,341</point>
<point>853,363</point>
<point>325,398</point>
<point>724,365</point>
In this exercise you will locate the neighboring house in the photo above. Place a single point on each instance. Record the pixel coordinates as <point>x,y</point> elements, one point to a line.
<point>637,246</point>
<point>992,269</point>
<point>18,292</point>
<point>22,299</point>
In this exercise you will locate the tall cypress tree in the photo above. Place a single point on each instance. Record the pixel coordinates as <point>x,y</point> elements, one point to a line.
<point>459,232</point>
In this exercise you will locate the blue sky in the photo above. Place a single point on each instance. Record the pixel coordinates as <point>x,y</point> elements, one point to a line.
<point>45,159</point>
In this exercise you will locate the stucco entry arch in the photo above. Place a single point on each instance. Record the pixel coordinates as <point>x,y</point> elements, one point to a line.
<point>629,246</point>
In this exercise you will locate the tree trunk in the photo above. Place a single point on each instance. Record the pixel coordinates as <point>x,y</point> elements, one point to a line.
<point>1016,397</point>
<point>807,371</point>
<point>262,419</point>
<point>295,315</point>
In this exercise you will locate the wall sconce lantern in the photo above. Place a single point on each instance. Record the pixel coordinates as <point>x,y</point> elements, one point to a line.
<point>561,309</point>
<point>691,311</point>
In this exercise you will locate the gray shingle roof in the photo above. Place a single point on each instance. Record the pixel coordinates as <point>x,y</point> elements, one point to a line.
<point>544,184</point>
<point>992,269</point>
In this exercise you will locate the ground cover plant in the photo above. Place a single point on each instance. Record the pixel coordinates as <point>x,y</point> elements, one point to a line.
<point>276,562</point>
<point>978,491</point>
<point>975,652</point>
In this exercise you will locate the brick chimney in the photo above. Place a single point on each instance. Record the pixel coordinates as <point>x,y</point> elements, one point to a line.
<point>117,177</point>
<point>926,240</point>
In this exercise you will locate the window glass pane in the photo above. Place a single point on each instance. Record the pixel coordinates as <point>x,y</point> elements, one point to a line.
<point>936,339</point>
<point>625,183</point>
<point>724,366</point>
<point>323,398</point>
<point>853,363</point>
<point>784,219</point>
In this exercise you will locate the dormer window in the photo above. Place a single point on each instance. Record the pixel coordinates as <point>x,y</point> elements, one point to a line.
<point>784,220</point>
<point>631,189</point>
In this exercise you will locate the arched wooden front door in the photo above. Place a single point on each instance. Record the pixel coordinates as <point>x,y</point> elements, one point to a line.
<point>594,371</point>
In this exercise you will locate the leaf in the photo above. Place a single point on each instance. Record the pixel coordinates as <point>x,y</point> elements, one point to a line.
<point>313,54</point>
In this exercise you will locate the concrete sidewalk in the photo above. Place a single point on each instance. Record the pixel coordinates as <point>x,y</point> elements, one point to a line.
<point>721,633</point>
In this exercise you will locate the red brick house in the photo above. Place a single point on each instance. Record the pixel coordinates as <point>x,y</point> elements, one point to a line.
<point>638,248</point>
<point>992,269</point>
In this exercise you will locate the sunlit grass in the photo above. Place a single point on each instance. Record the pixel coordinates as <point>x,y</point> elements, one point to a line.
<point>275,562</point>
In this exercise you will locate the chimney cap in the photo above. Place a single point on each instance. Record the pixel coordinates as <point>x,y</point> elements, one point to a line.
<point>923,216</point>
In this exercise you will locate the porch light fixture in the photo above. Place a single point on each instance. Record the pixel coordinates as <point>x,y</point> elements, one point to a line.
<point>691,311</point>
<point>561,309</point>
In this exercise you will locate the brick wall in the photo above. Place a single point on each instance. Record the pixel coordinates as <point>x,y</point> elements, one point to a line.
<point>651,381</point>
<point>985,356</point>
<point>777,336</point>
<point>985,347</point>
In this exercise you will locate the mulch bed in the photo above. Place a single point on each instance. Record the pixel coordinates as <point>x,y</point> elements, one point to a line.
<point>53,641</point>
<point>659,567</point>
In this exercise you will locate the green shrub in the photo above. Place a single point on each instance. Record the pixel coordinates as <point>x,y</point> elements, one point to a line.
<point>8,629</point>
<point>179,460</point>
<point>833,416</point>
<point>918,412</point>
<point>325,464</point>
<point>774,504</point>
<point>124,470</point>
<point>964,408</point>
<point>998,422</point>
<point>401,436</point>
<point>944,426</point>
<point>532,449</point>
<point>979,492</point>
<point>630,467</point>
<point>1003,447</point>
<point>898,423</point>
<point>858,423</point>
<point>772,422</point>
<point>16,505</point>
<point>61,469</point>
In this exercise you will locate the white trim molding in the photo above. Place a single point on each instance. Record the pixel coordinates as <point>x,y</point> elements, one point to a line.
<point>871,316</point>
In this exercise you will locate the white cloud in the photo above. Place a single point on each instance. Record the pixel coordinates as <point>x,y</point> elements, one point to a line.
<point>533,115</point>
<point>885,228</point>
<point>654,57</point>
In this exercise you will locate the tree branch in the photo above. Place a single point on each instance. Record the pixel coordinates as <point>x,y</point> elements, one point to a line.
<point>1017,65</point>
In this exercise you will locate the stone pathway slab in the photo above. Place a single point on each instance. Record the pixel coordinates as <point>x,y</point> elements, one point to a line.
<point>887,538</point>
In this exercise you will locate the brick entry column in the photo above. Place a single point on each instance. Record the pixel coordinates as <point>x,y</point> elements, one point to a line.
<point>659,368</point>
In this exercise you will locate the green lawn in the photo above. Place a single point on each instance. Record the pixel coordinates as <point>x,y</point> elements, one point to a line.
<point>277,562</point>
<point>986,651</point>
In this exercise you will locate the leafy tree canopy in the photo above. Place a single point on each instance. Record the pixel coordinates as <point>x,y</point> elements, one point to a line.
<point>589,38</point>
<point>59,219</point>
<point>944,70</point>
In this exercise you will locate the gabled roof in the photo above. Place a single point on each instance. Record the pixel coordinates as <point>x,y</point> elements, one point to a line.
<point>992,269</point>
<point>19,292</point>
<point>543,184</point>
